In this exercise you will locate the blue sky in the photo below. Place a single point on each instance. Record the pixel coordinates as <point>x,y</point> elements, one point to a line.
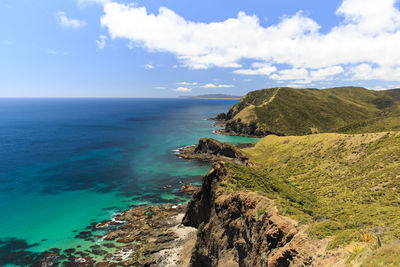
<point>101,48</point>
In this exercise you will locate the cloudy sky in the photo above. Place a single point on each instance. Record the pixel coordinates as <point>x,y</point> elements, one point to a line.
<point>167,48</point>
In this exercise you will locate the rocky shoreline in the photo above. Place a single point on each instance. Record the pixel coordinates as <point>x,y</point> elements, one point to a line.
<point>141,236</point>
<point>153,236</point>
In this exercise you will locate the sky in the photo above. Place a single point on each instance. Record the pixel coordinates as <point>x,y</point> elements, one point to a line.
<point>170,48</point>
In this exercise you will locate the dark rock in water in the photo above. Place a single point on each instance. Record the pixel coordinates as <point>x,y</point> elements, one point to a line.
<point>19,258</point>
<point>85,235</point>
<point>69,251</point>
<point>46,259</point>
<point>55,250</point>
<point>99,252</point>
<point>109,245</point>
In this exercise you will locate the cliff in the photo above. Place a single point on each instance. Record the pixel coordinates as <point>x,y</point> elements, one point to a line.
<point>288,111</point>
<point>316,200</point>
<point>245,229</point>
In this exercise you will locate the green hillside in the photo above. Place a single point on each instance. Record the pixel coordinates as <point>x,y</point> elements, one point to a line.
<point>344,187</point>
<point>287,111</point>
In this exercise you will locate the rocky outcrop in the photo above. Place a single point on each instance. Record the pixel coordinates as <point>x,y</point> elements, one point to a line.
<point>211,150</point>
<point>199,207</point>
<point>244,229</point>
<point>252,129</point>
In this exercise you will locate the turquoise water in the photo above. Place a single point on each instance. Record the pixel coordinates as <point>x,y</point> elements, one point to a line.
<point>68,163</point>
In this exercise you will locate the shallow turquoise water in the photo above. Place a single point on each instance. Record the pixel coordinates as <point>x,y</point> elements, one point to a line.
<point>66,163</point>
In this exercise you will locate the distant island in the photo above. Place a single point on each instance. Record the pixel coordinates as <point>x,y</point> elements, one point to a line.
<point>213,96</point>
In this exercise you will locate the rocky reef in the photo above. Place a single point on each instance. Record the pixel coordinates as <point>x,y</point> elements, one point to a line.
<point>211,150</point>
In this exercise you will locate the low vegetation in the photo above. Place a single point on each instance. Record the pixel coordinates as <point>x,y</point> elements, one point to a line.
<point>287,111</point>
<point>346,187</point>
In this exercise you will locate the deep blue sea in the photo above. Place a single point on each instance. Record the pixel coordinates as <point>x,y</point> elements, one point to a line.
<point>68,163</point>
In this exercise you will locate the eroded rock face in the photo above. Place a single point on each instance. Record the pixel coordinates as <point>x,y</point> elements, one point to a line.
<point>243,229</point>
<point>211,150</point>
<point>199,207</point>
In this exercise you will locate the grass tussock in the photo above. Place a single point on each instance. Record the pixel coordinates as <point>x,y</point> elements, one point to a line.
<point>346,187</point>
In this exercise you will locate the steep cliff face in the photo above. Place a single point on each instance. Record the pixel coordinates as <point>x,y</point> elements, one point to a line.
<point>243,229</point>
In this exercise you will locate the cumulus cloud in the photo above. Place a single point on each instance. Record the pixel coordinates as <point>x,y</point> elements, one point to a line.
<point>257,69</point>
<point>368,34</point>
<point>101,43</point>
<point>303,76</point>
<point>67,22</point>
<point>368,72</point>
<point>183,89</point>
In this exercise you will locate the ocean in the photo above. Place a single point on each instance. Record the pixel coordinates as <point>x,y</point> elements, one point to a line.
<point>66,164</point>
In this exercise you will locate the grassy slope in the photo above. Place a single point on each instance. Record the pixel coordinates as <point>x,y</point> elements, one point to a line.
<point>347,187</point>
<point>303,111</point>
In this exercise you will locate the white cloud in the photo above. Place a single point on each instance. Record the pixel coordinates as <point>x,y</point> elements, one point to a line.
<point>55,53</point>
<point>212,85</point>
<point>325,73</point>
<point>294,85</point>
<point>160,87</point>
<point>371,16</point>
<point>368,72</point>
<point>67,22</point>
<point>183,89</point>
<point>300,82</point>
<point>258,69</point>
<point>369,34</point>
<point>51,52</point>
<point>290,74</point>
<point>378,88</point>
<point>149,66</point>
<point>187,83</point>
<point>303,76</point>
<point>83,3</point>
<point>101,43</point>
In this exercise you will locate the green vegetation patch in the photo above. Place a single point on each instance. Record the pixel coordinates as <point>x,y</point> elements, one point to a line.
<point>387,256</point>
<point>346,187</point>
<point>289,111</point>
